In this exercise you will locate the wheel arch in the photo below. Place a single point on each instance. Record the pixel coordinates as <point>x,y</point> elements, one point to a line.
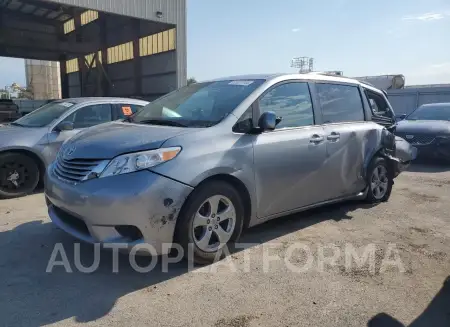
<point>239,185</point>
<point>380,152</point>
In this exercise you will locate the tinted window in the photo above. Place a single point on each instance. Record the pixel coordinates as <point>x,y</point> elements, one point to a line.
<point>90,116</point>
<point>128,109</point>
<point>431,112</point>
<point>340,103</point>
<point>291,102</point>
<point>199,104</point>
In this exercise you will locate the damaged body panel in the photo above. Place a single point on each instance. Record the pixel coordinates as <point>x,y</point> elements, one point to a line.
<point>92,210</point>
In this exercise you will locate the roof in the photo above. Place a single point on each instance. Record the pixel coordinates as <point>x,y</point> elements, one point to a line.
<point>308,76</point>
<point>89,99</point>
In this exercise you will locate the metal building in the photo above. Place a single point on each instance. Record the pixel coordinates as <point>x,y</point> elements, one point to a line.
<point>134,48</point>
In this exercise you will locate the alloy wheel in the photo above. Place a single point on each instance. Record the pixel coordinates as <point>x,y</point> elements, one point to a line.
<point>379,182</point>
<point>214,223</point>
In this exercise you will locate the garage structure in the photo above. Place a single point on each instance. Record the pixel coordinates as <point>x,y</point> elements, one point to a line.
<point>132,48</point>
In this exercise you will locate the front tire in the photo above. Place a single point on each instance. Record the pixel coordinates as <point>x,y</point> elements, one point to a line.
<point>211,219</point>
<point>19,175</point>
<point>379,181</point>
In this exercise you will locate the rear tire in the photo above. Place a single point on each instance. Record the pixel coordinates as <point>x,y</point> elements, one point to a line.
<point>379,181</point>
<point>19,175</point>
<point>212,218</point>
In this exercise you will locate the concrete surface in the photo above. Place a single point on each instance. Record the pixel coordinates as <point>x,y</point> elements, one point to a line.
<point>416,219</point>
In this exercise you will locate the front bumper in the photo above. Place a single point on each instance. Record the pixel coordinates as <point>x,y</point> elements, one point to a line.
<point>436,150</point>
<point>140,207</point>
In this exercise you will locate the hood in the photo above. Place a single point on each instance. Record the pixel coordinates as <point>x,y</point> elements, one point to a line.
<point>433,127</point>
<point>16,135</point>
<point>109,140</point>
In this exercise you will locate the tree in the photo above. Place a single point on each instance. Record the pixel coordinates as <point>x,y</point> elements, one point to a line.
<point>191,80</point>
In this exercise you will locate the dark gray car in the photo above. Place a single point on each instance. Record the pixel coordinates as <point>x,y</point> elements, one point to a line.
<point>428,129</point>
<point>201,163</point>
<point>30,143</point>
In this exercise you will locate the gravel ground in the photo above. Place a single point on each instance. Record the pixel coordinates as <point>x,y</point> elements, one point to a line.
<point>412,228</point>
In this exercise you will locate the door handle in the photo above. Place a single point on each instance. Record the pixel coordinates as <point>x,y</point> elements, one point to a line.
<point>316,139</point>
<point>334,136</point>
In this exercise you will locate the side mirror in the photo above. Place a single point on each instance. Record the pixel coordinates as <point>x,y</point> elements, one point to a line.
<point>403,116</point>
<point>64,126</point>
<point>268,121</point>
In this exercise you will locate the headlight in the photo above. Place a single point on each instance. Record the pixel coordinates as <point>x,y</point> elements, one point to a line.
<point>132,162</point>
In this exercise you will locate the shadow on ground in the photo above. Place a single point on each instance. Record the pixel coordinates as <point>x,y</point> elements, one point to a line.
<point>437,314</point>
<point>30,296</point>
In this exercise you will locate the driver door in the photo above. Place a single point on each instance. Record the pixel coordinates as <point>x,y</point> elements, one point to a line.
<point>81,118</point>
<point>289,160</point>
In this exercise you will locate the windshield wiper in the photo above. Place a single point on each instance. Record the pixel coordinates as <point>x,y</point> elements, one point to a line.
<point>162,122</point>
<point>16,124</point>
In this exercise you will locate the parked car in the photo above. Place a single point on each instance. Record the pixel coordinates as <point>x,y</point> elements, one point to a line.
<point>9,111</point>
<point>428,129</point>
<point>201,163</point>
<point>30,143</point>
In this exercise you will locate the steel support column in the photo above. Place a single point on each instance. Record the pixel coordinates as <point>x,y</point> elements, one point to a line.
<point>137,59</point>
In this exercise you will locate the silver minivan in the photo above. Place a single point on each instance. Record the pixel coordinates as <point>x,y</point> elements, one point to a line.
<point>198,165</point>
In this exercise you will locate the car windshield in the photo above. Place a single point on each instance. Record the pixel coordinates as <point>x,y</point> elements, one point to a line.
<point>197,105</point>
<point>44,115</point>
<point>437,112</point>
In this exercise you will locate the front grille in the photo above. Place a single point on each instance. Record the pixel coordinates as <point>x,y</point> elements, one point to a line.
<point>417,139</point>
<point>75,170</point>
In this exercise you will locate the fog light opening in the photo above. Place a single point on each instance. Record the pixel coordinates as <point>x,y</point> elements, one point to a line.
<point>131,232</point>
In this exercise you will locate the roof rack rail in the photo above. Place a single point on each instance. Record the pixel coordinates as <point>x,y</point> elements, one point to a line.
<point>330,73</point>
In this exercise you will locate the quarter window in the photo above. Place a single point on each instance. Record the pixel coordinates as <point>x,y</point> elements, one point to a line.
<point>379,105</point>
<point>90,116</point>
<point>291,102</point>
<point>340,103</point>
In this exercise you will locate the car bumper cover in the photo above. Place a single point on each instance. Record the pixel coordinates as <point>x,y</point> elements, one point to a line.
<point>129,209</point>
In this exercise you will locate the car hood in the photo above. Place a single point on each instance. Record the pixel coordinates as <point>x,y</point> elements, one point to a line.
<point>424,126</point>
<point>16,135</point>
<point>109,140</point>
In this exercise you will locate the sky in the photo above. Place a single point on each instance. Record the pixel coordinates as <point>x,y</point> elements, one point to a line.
<point>360,38</point>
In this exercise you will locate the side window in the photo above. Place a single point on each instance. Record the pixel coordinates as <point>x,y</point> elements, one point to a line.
<point>379,105</point>
<point>291,102</point>
<point>340,103</point>
<point>126,109</point>
<point>90,116</point>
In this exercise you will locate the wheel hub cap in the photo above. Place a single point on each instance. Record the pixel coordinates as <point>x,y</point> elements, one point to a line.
<point>14,177</point>
<point>213,224</point>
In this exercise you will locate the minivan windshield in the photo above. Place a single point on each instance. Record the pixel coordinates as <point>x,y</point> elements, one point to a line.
<point>197,105</point>
<point>430,112</point>
<point>44,115</point>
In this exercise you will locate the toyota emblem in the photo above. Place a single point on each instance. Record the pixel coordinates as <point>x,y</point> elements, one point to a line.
<point>69,151</point>
<point>409,137</point>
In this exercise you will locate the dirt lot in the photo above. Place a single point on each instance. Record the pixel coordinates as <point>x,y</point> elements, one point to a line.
<point>416,220</point>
